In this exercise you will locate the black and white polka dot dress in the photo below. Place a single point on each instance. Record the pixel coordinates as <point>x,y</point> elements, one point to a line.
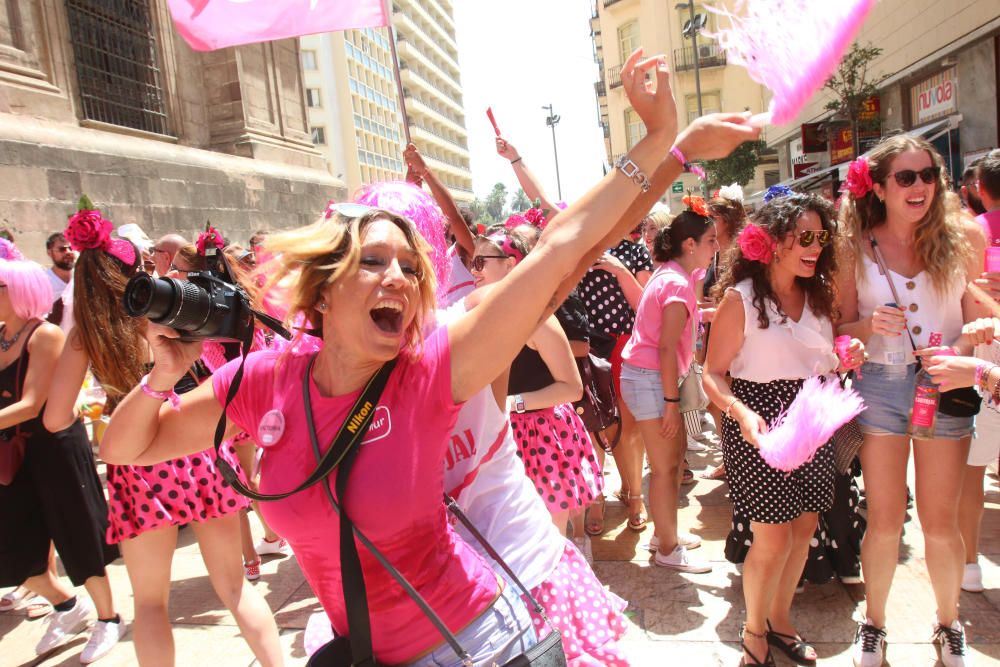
<point>607,308</point>
<point>762,493</point>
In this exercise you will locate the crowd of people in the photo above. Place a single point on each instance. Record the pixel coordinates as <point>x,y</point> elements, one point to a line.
<point>435,364</point>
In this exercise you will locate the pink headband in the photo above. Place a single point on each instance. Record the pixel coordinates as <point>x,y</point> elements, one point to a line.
<point>505,244</point>
<point>88,230</point>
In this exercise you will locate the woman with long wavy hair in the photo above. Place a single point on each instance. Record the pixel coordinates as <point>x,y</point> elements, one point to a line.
<point>898,207</point>
<point>149,503</point>
<point>774,329</point>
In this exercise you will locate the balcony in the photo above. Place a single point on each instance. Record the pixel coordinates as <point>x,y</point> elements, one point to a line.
<point>614,77</point>
<point>608,3</point>
<point>600,89</point>
<point>456,146</point>
<point>709,55</point>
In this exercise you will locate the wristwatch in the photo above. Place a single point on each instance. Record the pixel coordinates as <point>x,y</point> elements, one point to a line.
<point>519,403</point>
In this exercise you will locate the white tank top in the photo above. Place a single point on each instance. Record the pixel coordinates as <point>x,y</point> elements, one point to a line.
<point>462,281</point>
<point>483,472</point>
<point>927,310</point>
<point>786,350</point>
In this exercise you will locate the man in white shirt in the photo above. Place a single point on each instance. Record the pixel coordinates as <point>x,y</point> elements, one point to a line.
<point>63,259</point>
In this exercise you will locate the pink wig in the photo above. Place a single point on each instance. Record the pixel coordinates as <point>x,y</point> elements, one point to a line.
<point>418,207</point>
<point>28,288</point>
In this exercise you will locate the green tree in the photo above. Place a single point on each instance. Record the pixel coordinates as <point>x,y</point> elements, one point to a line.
<point>852,84</point>
<point>737,168</point>
<point>520,202</point>
<point>496,202</point>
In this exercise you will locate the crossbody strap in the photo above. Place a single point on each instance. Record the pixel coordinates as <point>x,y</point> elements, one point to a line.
<point>351,431</point>
<point>352,578</point>
<point>892,287</point>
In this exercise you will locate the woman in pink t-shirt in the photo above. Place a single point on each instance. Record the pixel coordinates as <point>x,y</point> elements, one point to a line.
<point>369,271</point>
<point>656,359</point>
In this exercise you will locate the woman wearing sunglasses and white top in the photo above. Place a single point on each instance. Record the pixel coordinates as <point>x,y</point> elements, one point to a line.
<point>898,203</point>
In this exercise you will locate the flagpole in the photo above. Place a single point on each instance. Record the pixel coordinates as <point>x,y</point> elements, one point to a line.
<point>395,69</point>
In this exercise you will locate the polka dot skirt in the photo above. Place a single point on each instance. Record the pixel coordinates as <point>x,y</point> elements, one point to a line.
<point>588,616</point>
<point>558,456</point>
<point>172,493</point>
<point>760,492</point>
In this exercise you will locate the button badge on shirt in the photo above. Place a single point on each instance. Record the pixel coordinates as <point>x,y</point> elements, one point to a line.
<point>271,428</point>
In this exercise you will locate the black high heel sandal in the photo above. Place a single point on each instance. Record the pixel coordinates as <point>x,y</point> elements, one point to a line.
<point>793,647</point>
<point>768,659</point>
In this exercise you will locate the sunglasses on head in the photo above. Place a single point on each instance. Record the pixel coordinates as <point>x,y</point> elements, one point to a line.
<point>479,261</point>
<point>348,209</point>
<point>907,177</point>
<point>807,237</point>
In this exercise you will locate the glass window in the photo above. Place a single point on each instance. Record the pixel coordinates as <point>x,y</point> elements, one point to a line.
<point>628,39</point>
<point>710,103</point>
<point>309,60</point>
<point>319,136</point>
<point>314,98</point>
<point>634,128</point>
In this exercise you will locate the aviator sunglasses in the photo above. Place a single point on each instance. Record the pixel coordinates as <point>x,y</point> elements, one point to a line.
<point>907,177</point>
<point>807,237</point>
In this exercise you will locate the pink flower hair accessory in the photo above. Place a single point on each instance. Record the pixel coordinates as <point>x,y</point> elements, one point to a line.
<point>210,236</point>
<point>88,230</point>
<point>515,220</point>
<point>506,246</point>
<point>9,251</point>
<point>859,179</point>
<point>757,244</point>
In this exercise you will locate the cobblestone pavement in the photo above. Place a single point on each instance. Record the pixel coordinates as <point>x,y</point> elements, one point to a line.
<point>676,618</point>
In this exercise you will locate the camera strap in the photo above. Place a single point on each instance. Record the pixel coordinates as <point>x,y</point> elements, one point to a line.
<point>351,431</point>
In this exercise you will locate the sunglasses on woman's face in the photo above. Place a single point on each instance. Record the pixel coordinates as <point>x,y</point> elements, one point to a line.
<point>807,237</point>
<point>479,261</point>
<point>907,177</point>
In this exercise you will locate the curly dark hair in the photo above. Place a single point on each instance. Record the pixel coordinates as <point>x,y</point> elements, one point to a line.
<point>778,217</point>
<point>729,212</point>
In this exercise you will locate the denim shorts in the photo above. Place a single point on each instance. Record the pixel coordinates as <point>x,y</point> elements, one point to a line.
<point>888,394</point>
<point>642,391</point>
<point>499,634</point>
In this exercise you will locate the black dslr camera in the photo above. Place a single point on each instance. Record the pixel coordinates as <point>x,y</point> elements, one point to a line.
<point>209,305</point>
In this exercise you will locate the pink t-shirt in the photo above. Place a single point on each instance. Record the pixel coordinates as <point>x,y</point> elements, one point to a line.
<point>669,284</point>
<point>394,494</point>
<point>990,222</point>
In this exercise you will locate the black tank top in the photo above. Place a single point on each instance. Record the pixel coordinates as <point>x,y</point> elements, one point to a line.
<point>528,372</point>
<point>11,388</point>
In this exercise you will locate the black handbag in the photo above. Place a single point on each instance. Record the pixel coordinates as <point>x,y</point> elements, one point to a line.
<point>963,402</point>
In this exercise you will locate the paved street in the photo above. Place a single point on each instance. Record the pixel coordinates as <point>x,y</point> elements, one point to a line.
<point>683,619</point>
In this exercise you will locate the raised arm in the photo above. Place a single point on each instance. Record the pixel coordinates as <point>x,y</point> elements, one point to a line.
<point>147,430</point>
<point>416,165</point>
<point>44,347</point>
<point>525,177</point>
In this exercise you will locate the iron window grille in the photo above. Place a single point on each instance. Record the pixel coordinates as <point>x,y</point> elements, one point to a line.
<point>117,63</point>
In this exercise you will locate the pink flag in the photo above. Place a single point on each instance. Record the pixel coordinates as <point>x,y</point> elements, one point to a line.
<point>214,24</point>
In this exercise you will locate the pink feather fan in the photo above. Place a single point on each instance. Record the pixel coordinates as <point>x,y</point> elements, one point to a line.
<point>790,46</point>
<point>819,409</point>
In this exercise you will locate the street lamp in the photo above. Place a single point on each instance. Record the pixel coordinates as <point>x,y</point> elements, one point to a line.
<point>691,28</point>
<point>552,121</point>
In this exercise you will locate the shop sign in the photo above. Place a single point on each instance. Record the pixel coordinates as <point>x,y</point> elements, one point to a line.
<point>841,145</point>
<point>935,97</point>
<point>677,188</point>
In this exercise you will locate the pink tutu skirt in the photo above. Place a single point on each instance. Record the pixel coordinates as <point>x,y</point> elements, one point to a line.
<point>588,616</point>
<point>172,493</point>
<point>558,456</point>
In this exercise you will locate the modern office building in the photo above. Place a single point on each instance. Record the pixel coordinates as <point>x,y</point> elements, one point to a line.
<point>354,110</point>
<point>619,26</point>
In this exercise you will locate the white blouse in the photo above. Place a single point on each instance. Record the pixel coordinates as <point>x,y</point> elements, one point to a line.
<point>786,350</point>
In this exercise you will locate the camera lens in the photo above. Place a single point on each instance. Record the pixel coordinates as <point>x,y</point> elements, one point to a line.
<point>192,307</point>
<point>150,297</point>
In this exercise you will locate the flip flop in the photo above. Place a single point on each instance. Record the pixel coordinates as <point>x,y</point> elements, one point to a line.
<point>11,600</point>
<point>593,527</point>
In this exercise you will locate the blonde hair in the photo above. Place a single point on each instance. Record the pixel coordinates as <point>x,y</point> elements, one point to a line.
<point>309,258</point>
<point>940,241</point>
<point>659,219</point>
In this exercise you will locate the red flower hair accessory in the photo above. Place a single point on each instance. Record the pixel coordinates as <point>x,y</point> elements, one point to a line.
<point>515,220</point>
<point>757,244</point>
<point>696,204</point>
<point>859,180</point>
<point>88,230</point>
<point>210,236</point>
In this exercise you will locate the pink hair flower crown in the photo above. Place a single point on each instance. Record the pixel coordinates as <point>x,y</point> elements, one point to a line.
<point>859,179</point>
<point>757,244</point>
<point>211,236</point>
<point>87,229</point>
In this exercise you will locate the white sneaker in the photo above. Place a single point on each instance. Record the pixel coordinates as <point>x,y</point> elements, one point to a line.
<point>951,644</point>
<point>583,544</point>
<point>695,446</point>
<point>687,540</point>
<point>64,625</point>
<point>680,560</point>
<point>277,548</point>
<point>102,639</point>
<point>869,645</point>
<point>972,580</point>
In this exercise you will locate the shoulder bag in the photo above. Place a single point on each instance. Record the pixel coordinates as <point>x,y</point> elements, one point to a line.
<point>598,407</point>
<point>12,449</point>
<point>964,402</point>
